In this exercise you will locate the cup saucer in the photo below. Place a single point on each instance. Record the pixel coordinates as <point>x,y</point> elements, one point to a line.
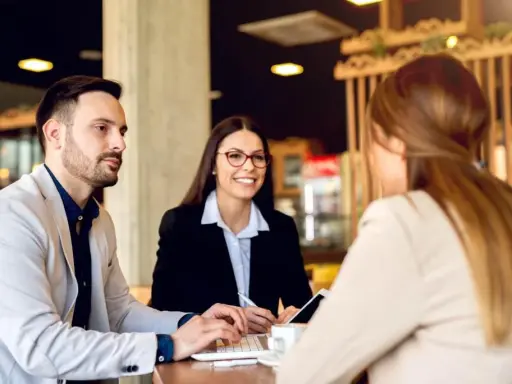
<point>270,359</point>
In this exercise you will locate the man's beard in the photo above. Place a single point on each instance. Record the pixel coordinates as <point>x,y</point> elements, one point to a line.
<point>91,172</point>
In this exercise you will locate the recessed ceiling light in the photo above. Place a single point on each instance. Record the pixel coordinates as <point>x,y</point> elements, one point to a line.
<point>287,69</point>
<point>35,65</point>
<point>360,3</point>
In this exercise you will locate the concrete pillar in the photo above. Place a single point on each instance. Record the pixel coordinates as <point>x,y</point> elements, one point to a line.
<point>159,51</point>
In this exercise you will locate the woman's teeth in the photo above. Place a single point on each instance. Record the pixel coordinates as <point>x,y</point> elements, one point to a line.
<point>245,181</point>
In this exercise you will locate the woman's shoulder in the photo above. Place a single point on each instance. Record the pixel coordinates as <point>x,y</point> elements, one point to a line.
<point>183,214</point>
<point>410,210</point>
<point>278,220</point>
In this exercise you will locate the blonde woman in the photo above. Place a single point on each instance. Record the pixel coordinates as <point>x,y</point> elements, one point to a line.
<point>425,293</point>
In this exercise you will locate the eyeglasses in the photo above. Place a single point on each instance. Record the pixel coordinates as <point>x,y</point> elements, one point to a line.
<point>238,159</point>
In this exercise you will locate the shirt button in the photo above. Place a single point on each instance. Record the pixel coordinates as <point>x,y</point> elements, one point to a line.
<point>85,284</point>
<point>80,218</point>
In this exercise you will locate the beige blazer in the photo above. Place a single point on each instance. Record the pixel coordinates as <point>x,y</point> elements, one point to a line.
<point>38,291</point>
<point>403,306</point>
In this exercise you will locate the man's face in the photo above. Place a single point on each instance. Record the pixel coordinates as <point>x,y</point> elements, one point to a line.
<point>94,143</point>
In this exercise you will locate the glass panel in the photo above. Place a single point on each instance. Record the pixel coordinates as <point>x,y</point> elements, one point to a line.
<point>19,150</point>
<point>9,159</point>
<point>37,152</point>
<point>24,156</point>
<point>292,171</point>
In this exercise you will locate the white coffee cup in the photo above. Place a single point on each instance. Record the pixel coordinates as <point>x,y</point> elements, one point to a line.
<point>284,336</point>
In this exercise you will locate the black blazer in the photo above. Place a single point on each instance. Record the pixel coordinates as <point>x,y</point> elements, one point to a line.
<point>193,269</point>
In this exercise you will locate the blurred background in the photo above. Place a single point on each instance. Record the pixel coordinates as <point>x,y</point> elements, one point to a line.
<point>303,69</point>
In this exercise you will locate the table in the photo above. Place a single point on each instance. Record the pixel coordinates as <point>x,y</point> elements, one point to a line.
<point>192,372</point>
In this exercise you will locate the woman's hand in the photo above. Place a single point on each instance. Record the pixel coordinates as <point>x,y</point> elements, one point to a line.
<point>260,319</point>
<point>287,314</point>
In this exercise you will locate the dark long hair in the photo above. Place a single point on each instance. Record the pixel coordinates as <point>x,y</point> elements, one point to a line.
<point>204,181</point>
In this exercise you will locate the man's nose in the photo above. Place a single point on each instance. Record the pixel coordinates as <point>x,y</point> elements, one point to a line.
<point>117,142</point>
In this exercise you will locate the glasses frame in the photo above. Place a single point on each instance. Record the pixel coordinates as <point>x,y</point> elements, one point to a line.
<point>268,156</point>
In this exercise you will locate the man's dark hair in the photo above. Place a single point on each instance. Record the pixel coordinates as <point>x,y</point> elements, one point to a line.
<point>61,98</point>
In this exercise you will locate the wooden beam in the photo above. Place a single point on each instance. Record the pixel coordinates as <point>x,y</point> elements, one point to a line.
<point>352,147</point>
<point>394,34</point>
<point>507,107</point>
<point>367,65</point>
<point>391,14</point>
<point>471,13</point>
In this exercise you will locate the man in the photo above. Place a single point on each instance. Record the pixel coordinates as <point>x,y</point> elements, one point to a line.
<point>65,310</point>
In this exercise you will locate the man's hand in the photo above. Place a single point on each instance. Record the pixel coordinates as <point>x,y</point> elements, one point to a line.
<point>197,333</point>
<point>260,319</point>
<point>287,314</point>
<point>233,315</point>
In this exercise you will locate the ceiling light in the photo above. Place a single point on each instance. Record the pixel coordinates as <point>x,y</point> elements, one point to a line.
<point>360,3</point>
<point>287,69</point>
<point>452,41</point>
<point>35,65</point>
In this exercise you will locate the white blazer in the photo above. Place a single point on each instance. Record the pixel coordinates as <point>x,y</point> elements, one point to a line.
<point>38,291</point>
<point>403,307</point>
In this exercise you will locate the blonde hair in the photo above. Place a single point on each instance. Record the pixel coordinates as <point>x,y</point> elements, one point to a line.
<point>436,107</point>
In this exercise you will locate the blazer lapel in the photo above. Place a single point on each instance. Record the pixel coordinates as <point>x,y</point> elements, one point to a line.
<point>260,254</point>
<point>61,221</point>
<point>56,207</point>
<point>220,262</point>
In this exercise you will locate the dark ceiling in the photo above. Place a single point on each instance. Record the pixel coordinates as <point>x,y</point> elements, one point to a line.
<point>310,105</point>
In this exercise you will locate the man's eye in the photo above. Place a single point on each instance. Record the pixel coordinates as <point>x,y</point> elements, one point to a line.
<point>101,127</point>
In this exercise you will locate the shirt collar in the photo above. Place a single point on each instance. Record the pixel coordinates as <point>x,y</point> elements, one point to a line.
<point>211,215</point>
<point>73,210</point>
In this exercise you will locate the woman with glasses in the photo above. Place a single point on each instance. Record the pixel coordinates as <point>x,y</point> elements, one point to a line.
<point>225,243</point>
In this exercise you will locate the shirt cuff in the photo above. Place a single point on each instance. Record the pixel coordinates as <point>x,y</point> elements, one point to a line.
<point>165,344</point>
<point>185,318</point>
<point>164,350</point>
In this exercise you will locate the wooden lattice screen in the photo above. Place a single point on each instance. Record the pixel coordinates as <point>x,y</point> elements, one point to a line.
<point>490,61</point>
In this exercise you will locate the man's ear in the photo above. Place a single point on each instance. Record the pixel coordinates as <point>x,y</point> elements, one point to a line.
<point>53,132</point>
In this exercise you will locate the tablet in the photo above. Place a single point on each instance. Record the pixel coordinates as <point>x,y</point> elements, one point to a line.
<point>308,310</point>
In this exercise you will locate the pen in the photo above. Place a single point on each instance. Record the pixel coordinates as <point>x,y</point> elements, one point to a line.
<point>246,299</point>
<point>233,363</point>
